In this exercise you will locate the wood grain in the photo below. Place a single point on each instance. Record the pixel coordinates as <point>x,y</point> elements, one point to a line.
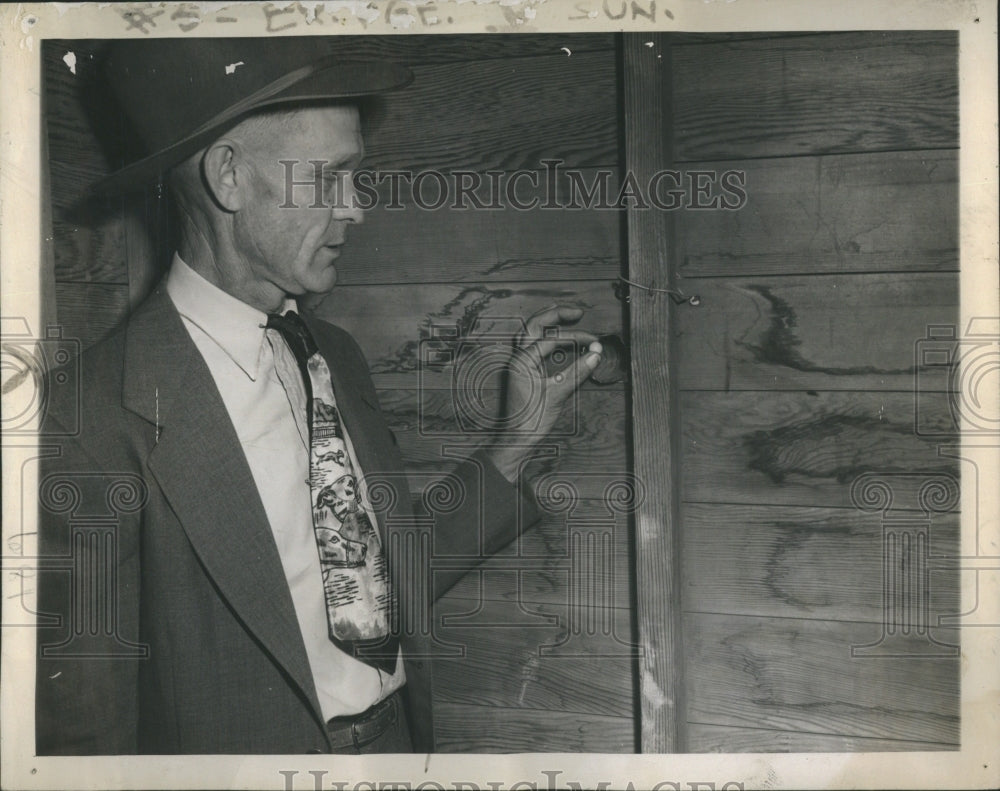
<point>822,563</point>
<point>587,446</point>
<point>89,253</point>
<point>843,92</point>
<point>799,675</point>
<point>648,148</point>
<point>689,39</point>
<point>488,729</point>
<point>415,244</point>
<point>501,114</point>
<point>729,739</point>
<point>561,562</point>
<point>854,213</point>
<point>561,464</point>
<point>836,332</point>
<point>805,448</point>
<point>89,311</point>
<point>535,657</point>
<point>457,49</point>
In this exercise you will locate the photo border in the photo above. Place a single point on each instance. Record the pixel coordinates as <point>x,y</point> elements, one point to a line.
<point>23,26</point>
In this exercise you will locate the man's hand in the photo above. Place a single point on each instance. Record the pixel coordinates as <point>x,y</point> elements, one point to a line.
<point>532,399</point>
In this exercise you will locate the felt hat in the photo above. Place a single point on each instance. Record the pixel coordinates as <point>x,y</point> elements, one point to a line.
<point>181,94</point>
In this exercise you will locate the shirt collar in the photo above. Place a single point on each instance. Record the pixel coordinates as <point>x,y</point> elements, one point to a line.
<point>236,327</point>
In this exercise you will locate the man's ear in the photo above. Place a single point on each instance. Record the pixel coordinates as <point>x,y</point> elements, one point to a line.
<point>225,174</point>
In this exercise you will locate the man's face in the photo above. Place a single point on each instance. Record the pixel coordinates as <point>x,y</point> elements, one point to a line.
<point>284,238</point>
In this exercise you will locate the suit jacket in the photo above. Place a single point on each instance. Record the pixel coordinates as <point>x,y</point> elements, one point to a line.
<point>166,623</point>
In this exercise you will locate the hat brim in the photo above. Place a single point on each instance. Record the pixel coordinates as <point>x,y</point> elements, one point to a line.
<point>326,80</point>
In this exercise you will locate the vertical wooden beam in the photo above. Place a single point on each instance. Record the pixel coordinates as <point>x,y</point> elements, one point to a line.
<point>655,423</point>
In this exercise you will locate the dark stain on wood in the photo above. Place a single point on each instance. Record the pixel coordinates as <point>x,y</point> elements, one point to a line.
<point>794,536</point>
<point>836,446</point>
<point>778,345</point>
<point>462,324</point>
<point>599,266</point>
<point>815,563</point>
<point>406,357</point>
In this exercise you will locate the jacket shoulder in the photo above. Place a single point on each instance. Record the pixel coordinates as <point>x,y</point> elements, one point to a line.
<point>88,383</point>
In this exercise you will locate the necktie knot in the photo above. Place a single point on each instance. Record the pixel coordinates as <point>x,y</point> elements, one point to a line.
<point>296,334</point>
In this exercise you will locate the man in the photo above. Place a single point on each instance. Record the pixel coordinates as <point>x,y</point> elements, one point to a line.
<point>231,576</point>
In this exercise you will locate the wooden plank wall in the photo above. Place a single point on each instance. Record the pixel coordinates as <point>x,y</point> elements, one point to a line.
<point>547,626</point>
<point>797,377</point>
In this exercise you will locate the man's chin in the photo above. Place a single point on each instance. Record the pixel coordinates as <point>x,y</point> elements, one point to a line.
<point>322,276</point>
<point>313,292</point>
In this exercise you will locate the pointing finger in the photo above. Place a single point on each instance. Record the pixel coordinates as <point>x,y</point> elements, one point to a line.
<point>555,314</point>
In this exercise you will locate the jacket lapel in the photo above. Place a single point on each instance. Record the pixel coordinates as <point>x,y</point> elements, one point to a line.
<point>202,471</point>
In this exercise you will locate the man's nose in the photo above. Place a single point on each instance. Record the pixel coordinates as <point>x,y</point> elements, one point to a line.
<point>348,208</point>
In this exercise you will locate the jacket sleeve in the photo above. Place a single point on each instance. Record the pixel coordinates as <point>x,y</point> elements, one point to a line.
<point>86,699</point>
<point>492,512</point>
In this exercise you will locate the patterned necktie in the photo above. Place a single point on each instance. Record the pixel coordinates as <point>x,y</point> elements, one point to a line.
<point>355,576</point>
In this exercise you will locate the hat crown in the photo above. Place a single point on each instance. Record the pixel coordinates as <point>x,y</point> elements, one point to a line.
<point>178,93</point>
<point>171,87</point>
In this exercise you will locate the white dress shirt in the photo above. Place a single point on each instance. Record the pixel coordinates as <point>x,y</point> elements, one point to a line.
<point>232,339</point>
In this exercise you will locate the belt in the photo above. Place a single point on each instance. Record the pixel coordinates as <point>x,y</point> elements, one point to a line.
<point>357,730</point>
